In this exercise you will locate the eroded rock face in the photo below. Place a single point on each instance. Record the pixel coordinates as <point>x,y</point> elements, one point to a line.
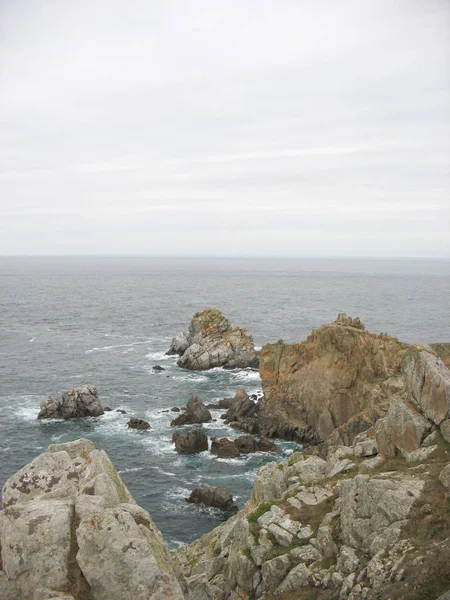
<point>335,384</point>
<point>192,442</point>
<point>63,511</point>
<point>195,413</point>
<point>428,380</point>
<point>213,342</point>
<point>75,403</point>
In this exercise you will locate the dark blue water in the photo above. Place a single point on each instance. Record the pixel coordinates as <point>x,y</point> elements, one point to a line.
<point>107,321</point>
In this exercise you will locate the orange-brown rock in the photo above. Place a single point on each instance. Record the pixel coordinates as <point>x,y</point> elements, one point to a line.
<point>336,383</point>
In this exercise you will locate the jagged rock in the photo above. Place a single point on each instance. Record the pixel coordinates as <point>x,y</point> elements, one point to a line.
<point>243,412</point>
<point>310,470</point>
<point>135,562</point>
<point>192,442</point>
<point>341,466</point>
<point>45,550</point>
<point>224,448</point>
<point>330,384</point>
<point>138,424</point>
<point>274,571</point>
<point>403,429</point>
<point>344,319</point>
<point>269,483</point>
<point>195,413</point>
<point>213,342</point>
<point>179,345</point>
<point>421,455</point>
<point>348,561</point>
<point>217,497</point>
<point>428,380</point>
<point>297,578</point>
<point>75,403</point>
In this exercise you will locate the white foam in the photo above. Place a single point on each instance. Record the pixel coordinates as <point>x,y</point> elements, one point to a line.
<point>107,348</point>
<point>32,339</point>
<point>190,377</point>
<point>247,375</point>
<point>131,470</point>
<point>158,355</point>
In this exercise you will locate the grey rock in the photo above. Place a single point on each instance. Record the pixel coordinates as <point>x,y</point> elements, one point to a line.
<point>283,537</point>
<point>341,466</point>
<point>75,403</point>
<point>366,448</point>
<point>305,554</point>
<point>445,430</point>
<point>428,380</point>
<point>421,455</point>
<point>444,477</point>
<point>347,561</point>
<point>274,571</point>
<point>297,578</point>
<point>213,342</point>
<point>269,483</point>
<point>310,470</point>
<point>36,542</point>
<point>179,345</point>
<point>135,562</point>
<point>77,449</point>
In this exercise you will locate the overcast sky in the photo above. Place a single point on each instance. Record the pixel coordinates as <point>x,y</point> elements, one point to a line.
<point>249,127</point>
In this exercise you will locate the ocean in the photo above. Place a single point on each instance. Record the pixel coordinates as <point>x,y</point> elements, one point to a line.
<point>107,321</point>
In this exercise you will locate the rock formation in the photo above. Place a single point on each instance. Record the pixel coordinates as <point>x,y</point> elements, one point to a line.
<point>213,342</point>
<point>138,424</point>
<point>244,444</point>
<point>336,383</point>
<point>75,403</point>
<point>195,414</point>
<point>192,442</point>
<point>70,528</point>
<point>216,497</point>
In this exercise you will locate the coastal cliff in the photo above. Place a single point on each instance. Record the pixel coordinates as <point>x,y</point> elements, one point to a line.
<point>363,513</point>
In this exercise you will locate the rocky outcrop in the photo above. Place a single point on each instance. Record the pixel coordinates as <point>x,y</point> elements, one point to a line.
<point>192,442</point>
<point>334,385</point>
<point>138,424</point>
<point>216,497</point>
<point>244,444</point>
<point>75,403</point>
<point>213,342</point>
<point>195,413</point>
<point>350,525</point>
<point>69,528</point>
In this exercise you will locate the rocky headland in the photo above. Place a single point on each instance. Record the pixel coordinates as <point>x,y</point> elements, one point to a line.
<point>212,341</point>
<point>361,512</point>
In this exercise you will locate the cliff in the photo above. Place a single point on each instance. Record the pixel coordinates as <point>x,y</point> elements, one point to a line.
<point>335,384</point>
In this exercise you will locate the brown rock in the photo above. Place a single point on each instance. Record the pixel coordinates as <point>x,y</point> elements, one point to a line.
<point>195,413</point>
<point>192,442</point>
<point>224,448</point>
<point>216,497</point>
<point>138,424</point>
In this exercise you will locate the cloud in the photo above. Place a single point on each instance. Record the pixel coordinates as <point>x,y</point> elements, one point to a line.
<point>287,117</point>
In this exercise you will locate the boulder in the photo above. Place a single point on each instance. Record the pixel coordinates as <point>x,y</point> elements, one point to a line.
<point>217,497</point>
<point>138,424</point>
<point>75,403</point>
<point>428,381</point>
<point>192,442</point>
<point>70,529</point>
<point>195,413</point>
<point>402,430</point>
<point>224,448</point>
<point>213,342</point>
<point>246,444</point>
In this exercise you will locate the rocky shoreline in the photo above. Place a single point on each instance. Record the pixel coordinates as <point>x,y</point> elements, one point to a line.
<point>361,512</point>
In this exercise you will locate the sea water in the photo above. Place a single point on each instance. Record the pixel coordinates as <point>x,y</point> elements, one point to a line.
<point>107,321</point>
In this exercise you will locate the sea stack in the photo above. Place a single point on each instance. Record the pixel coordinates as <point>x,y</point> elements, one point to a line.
<point>212,341</point>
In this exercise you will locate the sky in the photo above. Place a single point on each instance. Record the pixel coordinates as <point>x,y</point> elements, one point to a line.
<point>225,128</point>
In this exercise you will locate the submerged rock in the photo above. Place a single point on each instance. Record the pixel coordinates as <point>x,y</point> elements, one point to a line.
<point>195,413</point>
<point>158,368</point>
<point>213,342</point>
<point>217,497</point>
<point>192,442</point>
<point>75,403</point>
